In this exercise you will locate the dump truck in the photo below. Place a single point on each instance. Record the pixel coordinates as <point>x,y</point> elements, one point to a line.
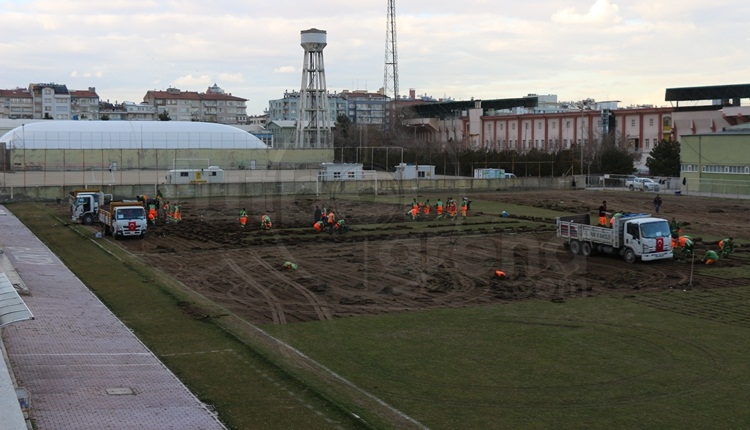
<point>631,236</point>
<point>84,204</point>
<point>123,219</point>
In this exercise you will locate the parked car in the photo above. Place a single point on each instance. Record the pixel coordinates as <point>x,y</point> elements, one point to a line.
<point>644,184</point>
<point>629,181</point>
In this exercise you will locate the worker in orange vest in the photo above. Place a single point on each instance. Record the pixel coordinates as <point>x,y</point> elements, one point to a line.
<point>243,217</point>
<point>152,214</point>
<point>414,209</point>
<point>177,214</point>
<point>265,222</point>
<point>167,211</point>
<point>331,221</point>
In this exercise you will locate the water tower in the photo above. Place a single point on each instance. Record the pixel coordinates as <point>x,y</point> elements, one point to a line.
<point>313,124</point>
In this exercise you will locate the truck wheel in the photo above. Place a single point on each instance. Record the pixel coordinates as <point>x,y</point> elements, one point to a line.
<point>629,256</point>
<point>631,188</point>
<point>586,249</point>
<point>575,247</point>
<point>88,219</point>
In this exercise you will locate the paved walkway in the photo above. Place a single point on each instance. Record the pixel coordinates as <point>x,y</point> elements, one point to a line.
<point>83,367</point>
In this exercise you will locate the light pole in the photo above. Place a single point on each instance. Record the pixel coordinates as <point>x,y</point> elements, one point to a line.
<point>583,104</point>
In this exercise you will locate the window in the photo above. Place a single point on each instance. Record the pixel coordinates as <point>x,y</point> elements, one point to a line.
<point>632,123</point>
<point>650,122</point>
<point>647,144</point>
<point>539,125</point>
<point>554,125</point>
<point>567,124</point>
<point>183,174</point>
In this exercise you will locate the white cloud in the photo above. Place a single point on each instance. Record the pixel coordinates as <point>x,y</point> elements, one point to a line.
<point>485,49</point>
<point>602,12</point>
<point>190,81</point>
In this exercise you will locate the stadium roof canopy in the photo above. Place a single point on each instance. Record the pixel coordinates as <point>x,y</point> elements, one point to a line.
<point>54,134</point>
<point>716,92</point>
<point>447,109</point>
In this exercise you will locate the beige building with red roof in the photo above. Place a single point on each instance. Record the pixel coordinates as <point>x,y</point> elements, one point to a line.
<point>16,104</point>
<point>212,106</point>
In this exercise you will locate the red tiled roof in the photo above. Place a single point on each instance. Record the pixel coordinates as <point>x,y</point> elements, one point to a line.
<point>190,95</point>
<point>83,93</point>
<point>18,92</point>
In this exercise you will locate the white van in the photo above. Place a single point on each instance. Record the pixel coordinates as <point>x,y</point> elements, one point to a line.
<point>509,176</point>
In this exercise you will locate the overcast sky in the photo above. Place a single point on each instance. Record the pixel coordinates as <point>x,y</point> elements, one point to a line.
<point>604,49</point>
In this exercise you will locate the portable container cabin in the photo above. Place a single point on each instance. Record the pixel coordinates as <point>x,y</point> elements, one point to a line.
<point>340,171</point>
<point>212,175</point>
<point>404,171</point>
<point>489,173</point>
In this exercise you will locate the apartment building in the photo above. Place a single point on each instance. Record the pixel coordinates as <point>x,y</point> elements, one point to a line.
<point>51,101</point>
<point>16,104</point>
<point>212,106</point>
<point>287,107</point>
<point>127,111</point>
<point>365,107</point>
<point>84,104</point>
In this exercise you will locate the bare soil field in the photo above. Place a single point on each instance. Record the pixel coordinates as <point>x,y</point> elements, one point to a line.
<point>388,263</point>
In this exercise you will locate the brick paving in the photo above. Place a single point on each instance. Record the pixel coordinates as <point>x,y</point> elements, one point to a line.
<point>83,367</point>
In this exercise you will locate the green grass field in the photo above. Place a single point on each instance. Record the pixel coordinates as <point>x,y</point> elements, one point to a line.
<point>668,360</point>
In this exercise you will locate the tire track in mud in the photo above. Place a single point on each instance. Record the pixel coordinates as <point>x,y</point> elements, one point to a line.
<point>275,306</point>
<point>218,285</point>
<point>320,308</point>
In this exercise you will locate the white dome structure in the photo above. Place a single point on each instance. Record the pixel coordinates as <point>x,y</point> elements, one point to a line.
<point>141,135</point>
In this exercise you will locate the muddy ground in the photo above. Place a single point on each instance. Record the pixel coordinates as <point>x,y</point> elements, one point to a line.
<point>388,263</point>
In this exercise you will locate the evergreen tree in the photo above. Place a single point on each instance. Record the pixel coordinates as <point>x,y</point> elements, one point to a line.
<point>616,160</point>
<point>664,159</point>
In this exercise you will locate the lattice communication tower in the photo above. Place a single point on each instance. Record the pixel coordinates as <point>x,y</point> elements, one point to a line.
<point>390,84</point>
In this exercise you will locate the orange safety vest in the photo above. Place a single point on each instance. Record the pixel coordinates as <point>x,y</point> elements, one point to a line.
<point>331,218</point>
